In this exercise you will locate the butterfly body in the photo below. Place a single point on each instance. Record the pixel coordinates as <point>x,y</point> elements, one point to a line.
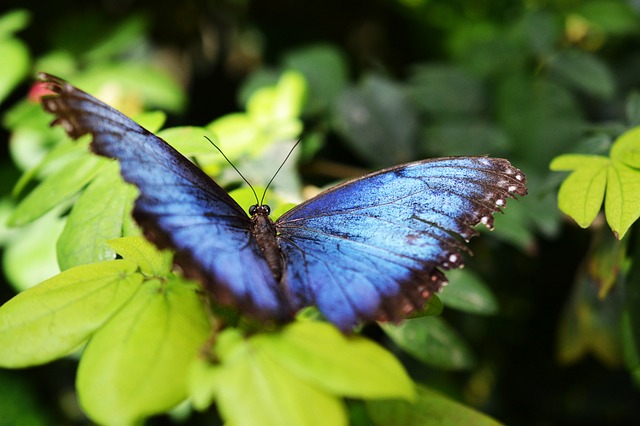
<point>373,248</point>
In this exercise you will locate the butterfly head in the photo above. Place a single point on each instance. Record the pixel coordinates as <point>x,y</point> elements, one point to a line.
<point>259,209</point>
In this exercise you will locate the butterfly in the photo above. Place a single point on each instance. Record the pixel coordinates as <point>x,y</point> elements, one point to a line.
<point>373,248</point>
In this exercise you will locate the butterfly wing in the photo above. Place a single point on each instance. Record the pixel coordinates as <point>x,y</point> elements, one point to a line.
<point>178,205</point>
<point>375,247</point>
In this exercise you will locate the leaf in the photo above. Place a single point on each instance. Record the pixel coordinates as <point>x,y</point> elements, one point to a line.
<point>356,367</point>
<point>56,188</point>
<point>255,388</point>
<point>96,217</point>
<point>626,148</point>
<point>430,409</point>
<point>15,57</point>
<point>13,21</point>
<point>584,71</point>
<point>622,203</point>
<point>51,319</point>
<point>33,244</point>
<point>582,193</point>
<point>324,67</point>
<point>150,260</point>
<point>137,364</point>
<point>614,17</point>
<point>445,89</point>
<point>378,121</point>
<point>468,293</point>
<point>432,341</point>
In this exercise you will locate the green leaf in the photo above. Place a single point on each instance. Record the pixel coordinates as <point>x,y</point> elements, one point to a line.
<point>325,69</point>
<point>53,318</point>
<point>13,21</point>
<point>96,217</point>
<point>445,89</point>
<point>56,188</point>
<point>204,383</point>
<point>254,387</point>
<point>622,203</point>
<point>612,16</point>
<point>373,114</point>
<point>15,59</point>
<point>430,409</point>
<point>150,260</point>
<point>137,364</point>
<point>468,293</point>
<point>190,140</point>
<point>432,341</point>
<point>33,244</point>
<point>626,148</point>
<point>584,71</point>
<point>356,367</point>
<point>582,193</point>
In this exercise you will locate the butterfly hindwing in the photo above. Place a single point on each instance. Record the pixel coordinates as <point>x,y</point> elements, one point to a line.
<point>374,248</point>
<point>178,205</point>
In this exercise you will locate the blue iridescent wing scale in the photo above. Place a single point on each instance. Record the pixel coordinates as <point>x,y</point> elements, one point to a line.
<point>178,205</point>
<point>375,247</point>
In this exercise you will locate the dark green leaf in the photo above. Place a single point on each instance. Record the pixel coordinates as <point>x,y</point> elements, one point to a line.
<point>378,121</point>
<point>324,67</point>
<point>585,72</point>
<point>432,341</point>
<point>430,409</point>
<point>468,293</point>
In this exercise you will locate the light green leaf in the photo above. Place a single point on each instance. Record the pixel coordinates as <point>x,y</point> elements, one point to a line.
<point>430,409</point>
<point>236,134</point>
<point>190,140</point>
<point>254,388</point>
<point>468,293</point>
<point>626,148</point>
<point>56,188</point>
<point>137,364</point>
<point>204,383</point>
<point>53,318</point>
<point>432,341</point>
<point>622,203</point>
<point>13,21</point>
<point>279,104</point>
<point>582,193</point>
<point>15,59</point>
<point>150,260</point>
<point>569,162</point>
<point>356,367</point>
<point>33,244</point>
<point>96,217</point>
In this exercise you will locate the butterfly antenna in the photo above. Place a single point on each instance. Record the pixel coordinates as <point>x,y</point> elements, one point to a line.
<point>279,168</point>
<point>238,171</point>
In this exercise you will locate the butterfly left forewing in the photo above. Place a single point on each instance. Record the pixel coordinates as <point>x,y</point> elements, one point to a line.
<point>178,205</point>
<point>375,248</point>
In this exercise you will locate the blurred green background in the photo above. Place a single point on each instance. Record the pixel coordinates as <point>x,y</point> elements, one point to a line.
<point>388,81</point>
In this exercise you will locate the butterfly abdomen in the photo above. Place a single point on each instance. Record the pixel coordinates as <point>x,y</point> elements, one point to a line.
<point>265,233</point>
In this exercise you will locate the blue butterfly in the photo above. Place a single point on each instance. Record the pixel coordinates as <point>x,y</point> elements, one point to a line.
<point>373,248</point>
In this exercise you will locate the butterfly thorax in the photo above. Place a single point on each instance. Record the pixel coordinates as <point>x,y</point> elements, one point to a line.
<point>264,231</point>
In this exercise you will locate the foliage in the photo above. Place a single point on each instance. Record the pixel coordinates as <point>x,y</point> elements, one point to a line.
<point>382,83</point>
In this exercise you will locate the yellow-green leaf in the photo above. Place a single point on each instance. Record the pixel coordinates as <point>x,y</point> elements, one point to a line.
<point>56,188</point>
<point>626,148</point>
<point>622,204</point>
<point>582,193</point>
<point>255,389</point>
<point>138,363</point>
<point>151,261</point>
<point>356,367</point>
<point>53,318</point>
